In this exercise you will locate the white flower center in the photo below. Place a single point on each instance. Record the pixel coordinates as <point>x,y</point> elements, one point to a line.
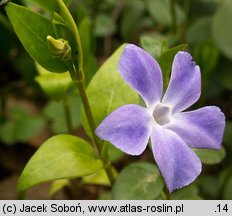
<point>162,114</point>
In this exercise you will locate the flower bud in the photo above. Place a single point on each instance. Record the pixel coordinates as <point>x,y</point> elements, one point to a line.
<point>59,48</point>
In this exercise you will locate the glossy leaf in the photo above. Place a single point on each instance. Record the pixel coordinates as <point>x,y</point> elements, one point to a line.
<point>155,46</point>
<point>58,185</point>
<point>86,35</point>
<point>208,156</point>
<point>108,88</point>
<point>32,30</point>
<point>53,84</point>
<point>166,60</point>
<point>48,5</point>
<point>138,181</point>
<point>98,178</point>
<point>187,193</point>
<point>206,55</point>
<point>60,157</point>
<point>222,28</point>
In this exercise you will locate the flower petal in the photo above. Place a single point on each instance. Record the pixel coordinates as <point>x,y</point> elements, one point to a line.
<point>178,164</point>
<point>202,128</point>
<point>127,128</point>
<point>141,71</point>
<point>185,83</point>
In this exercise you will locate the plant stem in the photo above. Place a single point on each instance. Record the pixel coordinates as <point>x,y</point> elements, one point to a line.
<point>78,77</point>
<point>97,141</point>
<point>67,112</point>
<point>173,12</point>
<point>73,28</point>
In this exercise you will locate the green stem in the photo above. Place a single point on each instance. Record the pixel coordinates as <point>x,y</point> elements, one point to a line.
<point>107,165</point>
<point>173,12</point>
<point>73,28</point>
<point>67,112</point>
<point>78,77</point>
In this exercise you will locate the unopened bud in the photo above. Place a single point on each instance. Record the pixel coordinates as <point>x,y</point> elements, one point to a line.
<point>59,48</point>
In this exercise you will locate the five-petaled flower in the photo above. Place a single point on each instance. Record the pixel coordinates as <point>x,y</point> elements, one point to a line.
<point>172,132</point>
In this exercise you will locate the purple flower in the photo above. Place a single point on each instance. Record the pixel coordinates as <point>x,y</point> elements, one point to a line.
<point>172,132</point>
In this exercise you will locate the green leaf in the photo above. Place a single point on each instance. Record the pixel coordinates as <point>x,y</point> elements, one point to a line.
<point>90,63</point>
<point>209,185</point>
<point>228,134</point>
<point>222,28</point>
<point>60,157</point>
<point>58,185</point>
<point>99,178</point>
<point>48,5</point>
<point>28,127</point>
<point>187,193</point>
<point>55,112</point>
<point>206,54</point>
<point>200,30</point>
<point>32,30</point>
<point>160,11</point>
<point>7,133</point>
<point>209,156</point>
<point>53,84</point>
<point>225,180</point>
<point>21,126</point>
<point>166,59</point>
<point>104,25</point>
<point>131,19</point>
<point>138,181</point>
<point>106,91</point>
<point>155,46</point>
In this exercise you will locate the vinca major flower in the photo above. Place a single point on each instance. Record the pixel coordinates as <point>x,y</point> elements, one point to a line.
<point>173,133</point>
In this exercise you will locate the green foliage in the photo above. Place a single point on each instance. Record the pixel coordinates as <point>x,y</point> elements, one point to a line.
<point>21,126</point>
<point>161,13</point>
<point>55,113</point>
<point>47,5</point>
<point>34,37</point>
<point>62,156</point>
<point>55,85</point>
<point>86,35</point>
<point>209,185</point>
<point>99,178</point>
<point>206,54</point>
<point>200,30</point>
<point>187,193</point>
<point>58,185</point>
<point>209,156</point>
<point>104,25</point>
<point>155,46</point>
<point>131,19</point>
<point>166,59</point>
<point>228,135</point>
<point>222,28</point>
<point>108,89</point>
<point>138,181</point>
